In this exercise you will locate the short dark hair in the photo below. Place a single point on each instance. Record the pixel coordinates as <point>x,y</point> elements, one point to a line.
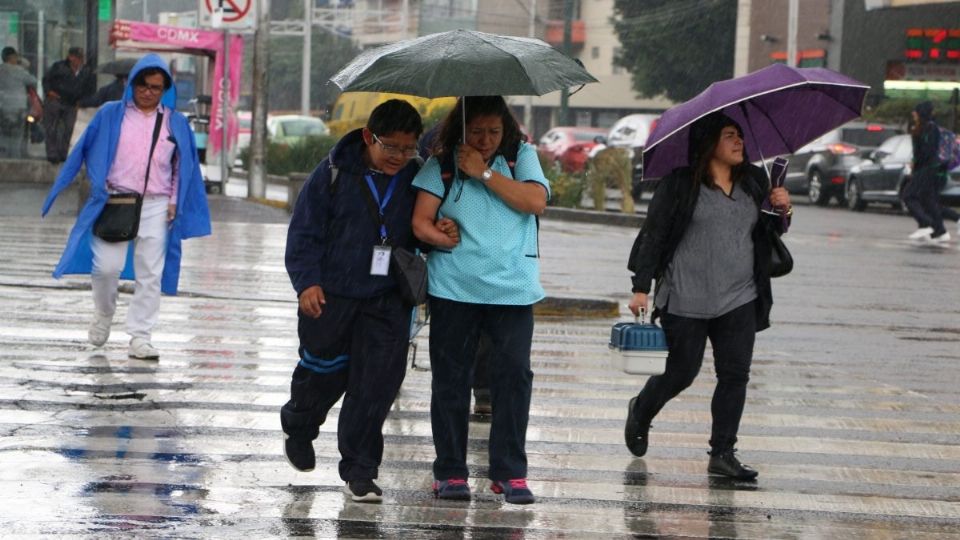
<point>395,115</point>
<point>7,53</point>
<point>75,51</point>
<point>451,130</point>
<point>141,78</point>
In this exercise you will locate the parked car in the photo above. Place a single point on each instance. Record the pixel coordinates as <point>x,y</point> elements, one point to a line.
<point>292,128</point>
<point>820,169</point>
<point>570,146</point>
<point>882,176</point>
<point>630,133</point>
<point>244,125</point>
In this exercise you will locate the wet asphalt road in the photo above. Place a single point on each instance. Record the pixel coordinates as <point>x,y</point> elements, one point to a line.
<point>852,413</point>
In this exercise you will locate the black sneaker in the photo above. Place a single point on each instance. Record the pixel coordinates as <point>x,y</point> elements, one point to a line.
<point>726,464</point>
<point>363,491</point>
<point>635,433</point>
<point>299,453</point>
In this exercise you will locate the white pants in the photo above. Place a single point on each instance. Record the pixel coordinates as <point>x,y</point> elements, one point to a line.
<point>150,248</point>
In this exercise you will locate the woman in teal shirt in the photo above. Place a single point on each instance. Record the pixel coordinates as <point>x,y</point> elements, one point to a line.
<point>489,280</point>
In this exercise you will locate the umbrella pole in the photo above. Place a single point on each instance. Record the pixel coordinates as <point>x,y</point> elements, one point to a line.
<point>763,162</point>
<point>463,110</point>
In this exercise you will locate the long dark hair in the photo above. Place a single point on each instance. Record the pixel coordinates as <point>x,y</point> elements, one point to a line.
<point>451,130</point>
<point>704,137</point>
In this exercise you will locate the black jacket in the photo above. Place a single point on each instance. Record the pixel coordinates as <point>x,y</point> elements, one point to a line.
<point>71,87</point>
<point>926,147</point>
<point>109,92</point>
<point>332,231</point>
<point>668,217</point>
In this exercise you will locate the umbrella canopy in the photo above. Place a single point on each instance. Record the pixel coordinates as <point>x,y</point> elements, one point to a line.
<point>462,63</point>
<point>122,66</point>
<point>780,109</point>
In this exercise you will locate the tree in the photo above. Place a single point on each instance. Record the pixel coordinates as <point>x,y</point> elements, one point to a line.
<point>329,53</point>
<point>675,48</point>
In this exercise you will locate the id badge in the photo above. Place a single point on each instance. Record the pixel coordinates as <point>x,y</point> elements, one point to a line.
<point>380,265</point>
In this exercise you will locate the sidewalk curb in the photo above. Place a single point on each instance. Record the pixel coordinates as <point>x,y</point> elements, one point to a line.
<point>555,306</point>
<point>551,306</point>
<point>617,219</point>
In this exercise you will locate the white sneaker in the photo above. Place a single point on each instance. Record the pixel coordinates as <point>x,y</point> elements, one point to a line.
<point>923,233</point>
<point>99,330</point>
<point>942,239</point>
<point>141,349</point>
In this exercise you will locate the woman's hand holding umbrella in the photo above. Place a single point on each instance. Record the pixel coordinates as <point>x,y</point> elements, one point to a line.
<point>780,199</point>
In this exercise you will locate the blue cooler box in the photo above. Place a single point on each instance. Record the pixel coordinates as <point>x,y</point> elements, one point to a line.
<point>638,348</point>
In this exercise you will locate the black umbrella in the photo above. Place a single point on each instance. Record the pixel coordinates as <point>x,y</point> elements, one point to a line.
<point>122,66</point>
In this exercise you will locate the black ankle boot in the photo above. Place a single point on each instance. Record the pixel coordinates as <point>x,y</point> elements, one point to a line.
<point>635,432</point>
<point>725,463</point>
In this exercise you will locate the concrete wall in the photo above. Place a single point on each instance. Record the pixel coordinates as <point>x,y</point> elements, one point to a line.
<point>24,184</point>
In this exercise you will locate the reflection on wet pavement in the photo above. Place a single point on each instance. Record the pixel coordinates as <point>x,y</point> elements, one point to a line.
<point>96,444</point>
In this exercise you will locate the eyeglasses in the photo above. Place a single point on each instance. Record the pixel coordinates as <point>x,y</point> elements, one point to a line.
<point>395,151</point>
<point>152,88</point>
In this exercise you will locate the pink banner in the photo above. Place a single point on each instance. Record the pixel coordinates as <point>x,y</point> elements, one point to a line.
<point>156,37</point>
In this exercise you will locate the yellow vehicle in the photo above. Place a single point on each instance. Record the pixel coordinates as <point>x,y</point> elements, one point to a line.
<point>352,109</point>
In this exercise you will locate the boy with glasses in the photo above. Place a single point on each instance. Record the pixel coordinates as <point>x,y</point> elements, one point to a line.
<point>353,324</point>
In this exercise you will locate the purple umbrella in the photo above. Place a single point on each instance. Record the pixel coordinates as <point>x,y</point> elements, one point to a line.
<point>780,109</point>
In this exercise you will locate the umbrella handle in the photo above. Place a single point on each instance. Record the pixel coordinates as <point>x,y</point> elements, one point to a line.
<point>763,161</point>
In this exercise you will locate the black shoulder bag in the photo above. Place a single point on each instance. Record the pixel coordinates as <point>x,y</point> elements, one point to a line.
<point>119,220</point>
<point>409,269</point>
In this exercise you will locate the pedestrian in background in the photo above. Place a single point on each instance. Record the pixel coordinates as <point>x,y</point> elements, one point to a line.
<point>704,243</point>
<point>65,83</point>
<point>922,193</point>
<point>15,87</point>
<point>108,92</point>
<point>486,283</point>
<point>114,149</point>
<point>352,322</point>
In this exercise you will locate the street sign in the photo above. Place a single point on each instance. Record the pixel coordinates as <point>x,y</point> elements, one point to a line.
<point>228,14</point>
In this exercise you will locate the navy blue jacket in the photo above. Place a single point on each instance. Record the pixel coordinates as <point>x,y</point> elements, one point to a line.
<point>332,232</point>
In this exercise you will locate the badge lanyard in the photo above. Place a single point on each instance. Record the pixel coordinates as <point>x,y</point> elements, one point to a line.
<point>380,264</point>
<point>382,204</point>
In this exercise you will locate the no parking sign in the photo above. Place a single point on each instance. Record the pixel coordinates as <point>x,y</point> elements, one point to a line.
<point>229,14</point>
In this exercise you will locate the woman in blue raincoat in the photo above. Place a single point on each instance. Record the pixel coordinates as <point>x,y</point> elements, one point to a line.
<point>174,201</point>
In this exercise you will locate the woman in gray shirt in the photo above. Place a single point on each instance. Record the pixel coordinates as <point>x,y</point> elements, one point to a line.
<point>704,242</point>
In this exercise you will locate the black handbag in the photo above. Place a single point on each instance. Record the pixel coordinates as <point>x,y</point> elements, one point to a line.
<point>409,269</point>
<point>410,273</point>
<point>119,220</point>
<point>781,262</point>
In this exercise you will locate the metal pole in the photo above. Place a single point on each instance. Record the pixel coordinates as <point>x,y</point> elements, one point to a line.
<point>531,32</point>
<point>307,40</point>
<point>793,14</point>
<point>146,14</point>
<point>93,35</point>
<point>41,52</point>
<point>225,110</point>
<point>256,182</point>
<point>563,119</point>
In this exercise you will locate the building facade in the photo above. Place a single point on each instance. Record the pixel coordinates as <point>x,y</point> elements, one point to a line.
<point>900,48</point>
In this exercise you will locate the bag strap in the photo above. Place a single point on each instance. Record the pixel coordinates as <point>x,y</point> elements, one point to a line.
<point>153,144</point>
